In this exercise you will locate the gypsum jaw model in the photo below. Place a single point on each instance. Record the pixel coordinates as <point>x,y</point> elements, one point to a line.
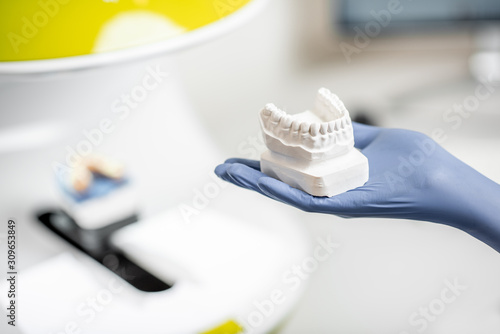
<point>314,150</point>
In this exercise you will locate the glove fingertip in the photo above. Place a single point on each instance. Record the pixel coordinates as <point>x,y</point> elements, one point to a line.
<point>221,169</point>
<point>236,168</point>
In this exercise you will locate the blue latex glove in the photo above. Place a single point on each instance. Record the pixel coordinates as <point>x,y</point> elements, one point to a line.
<point>411,177</point>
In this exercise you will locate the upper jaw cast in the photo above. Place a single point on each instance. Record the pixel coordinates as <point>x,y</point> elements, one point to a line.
<point>322,133</point>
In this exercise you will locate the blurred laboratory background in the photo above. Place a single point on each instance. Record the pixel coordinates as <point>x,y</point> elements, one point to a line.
<point>406,64</point>
<point>410,74</point>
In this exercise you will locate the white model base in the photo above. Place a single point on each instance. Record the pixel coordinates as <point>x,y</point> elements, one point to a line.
<point>318,178</point>
<point>95,213</point>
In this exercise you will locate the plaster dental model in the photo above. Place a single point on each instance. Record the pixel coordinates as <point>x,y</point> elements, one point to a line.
<point>97,193</point>
<point>313,150</point>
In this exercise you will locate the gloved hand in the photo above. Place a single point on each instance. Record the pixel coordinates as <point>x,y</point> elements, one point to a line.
<point>411,177</point>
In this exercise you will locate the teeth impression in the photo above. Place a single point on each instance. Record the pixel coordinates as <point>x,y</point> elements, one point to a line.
<point>314,150</point>
<point>324,131</point>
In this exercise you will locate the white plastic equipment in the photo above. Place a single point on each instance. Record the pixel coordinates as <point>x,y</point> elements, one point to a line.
<point>223,266</point>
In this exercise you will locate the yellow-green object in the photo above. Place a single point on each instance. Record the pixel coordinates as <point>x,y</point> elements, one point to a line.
<point>230,327</point>
<point>43,29</point>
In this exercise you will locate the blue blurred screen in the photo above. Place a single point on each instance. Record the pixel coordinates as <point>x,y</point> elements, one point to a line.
<point>417,14</point>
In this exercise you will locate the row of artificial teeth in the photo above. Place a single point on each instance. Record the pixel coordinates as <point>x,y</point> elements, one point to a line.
<point>313,135</point>
<point>332,102</point>
<point>275,117</point>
